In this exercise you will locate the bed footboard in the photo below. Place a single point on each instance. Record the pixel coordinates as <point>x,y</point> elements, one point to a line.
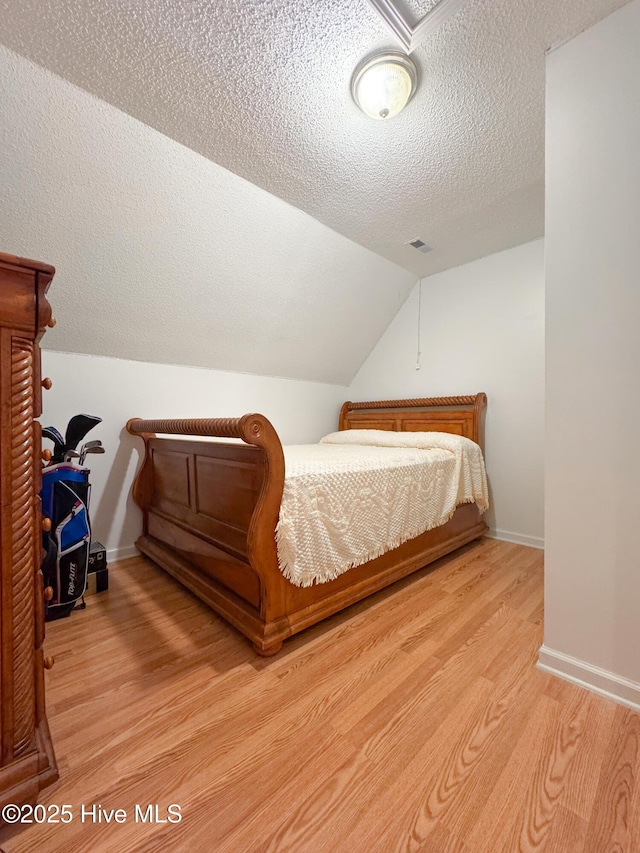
<point>210,510</point>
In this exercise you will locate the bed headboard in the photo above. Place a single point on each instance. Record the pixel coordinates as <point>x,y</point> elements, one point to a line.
<point>458,415</point>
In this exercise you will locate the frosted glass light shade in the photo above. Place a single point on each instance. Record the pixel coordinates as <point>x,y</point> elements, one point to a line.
<point>383,84</point>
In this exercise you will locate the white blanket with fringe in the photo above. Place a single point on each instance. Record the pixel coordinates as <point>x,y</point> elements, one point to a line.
<point>360,493</point>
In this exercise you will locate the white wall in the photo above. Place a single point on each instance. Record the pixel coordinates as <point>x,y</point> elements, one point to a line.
<point>117,390</point>
<point>592,591</point>
<point>482,329</point>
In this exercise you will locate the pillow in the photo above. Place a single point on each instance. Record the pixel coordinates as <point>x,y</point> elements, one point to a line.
<point>391,438</point>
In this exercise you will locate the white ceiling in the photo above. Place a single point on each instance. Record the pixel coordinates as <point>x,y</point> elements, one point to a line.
<point>262,88</point>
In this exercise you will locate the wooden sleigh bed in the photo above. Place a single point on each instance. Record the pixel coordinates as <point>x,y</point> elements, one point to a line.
<point>210,512</point>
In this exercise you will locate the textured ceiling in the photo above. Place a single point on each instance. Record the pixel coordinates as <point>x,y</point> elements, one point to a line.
<point>262,88</point>
<point>163,256</point>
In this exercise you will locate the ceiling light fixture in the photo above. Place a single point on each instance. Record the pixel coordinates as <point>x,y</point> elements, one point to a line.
<point>384,83</point>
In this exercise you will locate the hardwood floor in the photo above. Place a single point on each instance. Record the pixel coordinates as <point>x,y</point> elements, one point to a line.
<point>414,721</point>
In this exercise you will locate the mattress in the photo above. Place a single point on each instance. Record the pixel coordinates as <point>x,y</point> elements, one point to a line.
<point>360,493</point>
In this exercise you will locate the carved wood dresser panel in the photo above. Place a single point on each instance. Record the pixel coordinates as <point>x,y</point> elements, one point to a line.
<point>27,762</point>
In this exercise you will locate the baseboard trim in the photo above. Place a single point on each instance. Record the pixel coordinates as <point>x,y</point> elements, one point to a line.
<point>123,553</point>
<point>516,538</point>
<point>504,535</point>
<point>600,681</point>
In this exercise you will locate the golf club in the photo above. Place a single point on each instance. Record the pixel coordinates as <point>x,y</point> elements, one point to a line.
<point>85,447</point>
<point>85,450</point>
<point>58,442</point>
<point>78,427</point>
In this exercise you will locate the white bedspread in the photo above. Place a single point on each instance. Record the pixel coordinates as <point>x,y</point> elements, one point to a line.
<point>360,493</point>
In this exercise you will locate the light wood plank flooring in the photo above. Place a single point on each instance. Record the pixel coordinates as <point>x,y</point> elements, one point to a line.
<point>414,721</point>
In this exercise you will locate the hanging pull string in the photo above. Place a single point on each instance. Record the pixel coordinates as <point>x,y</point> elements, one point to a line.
<point>419,352</point>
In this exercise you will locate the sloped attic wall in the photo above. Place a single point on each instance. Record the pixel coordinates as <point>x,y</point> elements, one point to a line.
<point>165,257</point>
<point>165,260</point>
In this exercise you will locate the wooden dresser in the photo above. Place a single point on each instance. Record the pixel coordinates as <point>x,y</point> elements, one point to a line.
<point>27,762</point>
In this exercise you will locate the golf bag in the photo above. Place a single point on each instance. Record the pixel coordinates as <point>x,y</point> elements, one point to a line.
<point>65,500</point>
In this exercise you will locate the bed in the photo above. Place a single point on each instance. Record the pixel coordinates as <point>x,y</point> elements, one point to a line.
<point>211,509</point>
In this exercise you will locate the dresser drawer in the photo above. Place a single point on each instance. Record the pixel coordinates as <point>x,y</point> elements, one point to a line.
<point>18,299</point>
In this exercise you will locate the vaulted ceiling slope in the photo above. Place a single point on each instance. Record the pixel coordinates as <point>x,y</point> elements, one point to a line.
<point>163,256</point>
<point>262,88</point>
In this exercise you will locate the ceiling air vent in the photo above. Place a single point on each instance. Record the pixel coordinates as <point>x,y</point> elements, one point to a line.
<point>420,245</point>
